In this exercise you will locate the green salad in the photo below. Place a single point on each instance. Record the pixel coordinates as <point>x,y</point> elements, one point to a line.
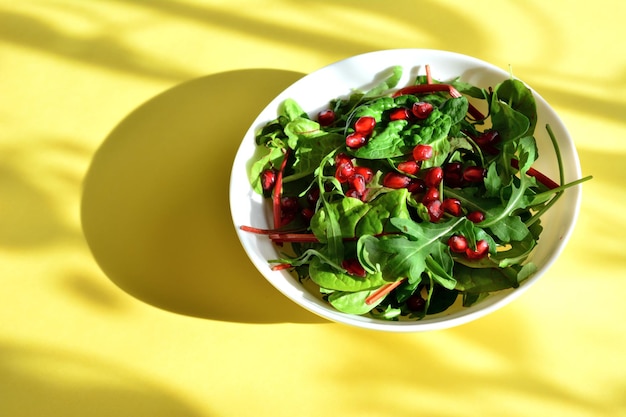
<point>399,202</point>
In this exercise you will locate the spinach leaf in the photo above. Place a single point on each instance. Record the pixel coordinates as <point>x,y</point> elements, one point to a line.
<point>352,302</point>
<point>357,218</point>
<point>520,98</point>
<point>328,277</point>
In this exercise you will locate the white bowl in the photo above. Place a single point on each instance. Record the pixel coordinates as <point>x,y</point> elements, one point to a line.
<point>314,91</point>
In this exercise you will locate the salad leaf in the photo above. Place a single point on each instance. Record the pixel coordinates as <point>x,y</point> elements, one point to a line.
<point>327,277</point>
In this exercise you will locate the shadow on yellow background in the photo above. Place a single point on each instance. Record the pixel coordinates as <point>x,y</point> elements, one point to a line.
<point>45,382</point>
<point>155,209</point>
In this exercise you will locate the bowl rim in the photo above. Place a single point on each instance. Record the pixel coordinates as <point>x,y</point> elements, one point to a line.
<point>286,284</point>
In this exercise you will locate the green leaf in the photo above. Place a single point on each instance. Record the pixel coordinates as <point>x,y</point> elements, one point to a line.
<point>388,83</point>
<point>509,123</point>
<point>356,218</point>
<point>520,98</point>
<point>327,277</point>
<point>480,280</point>
<point>290,109</point>
<point>352,302</point>
<point>272,158</point>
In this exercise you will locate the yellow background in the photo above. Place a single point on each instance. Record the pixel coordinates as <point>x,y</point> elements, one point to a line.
<point>123,289</point>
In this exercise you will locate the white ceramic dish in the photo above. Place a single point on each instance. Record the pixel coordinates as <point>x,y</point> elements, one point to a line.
<point>313,93</point>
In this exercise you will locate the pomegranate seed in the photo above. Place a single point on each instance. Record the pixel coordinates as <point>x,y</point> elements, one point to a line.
<point>307,214</point>
<point>396,180</point>
<point>434,210</point>
<point>453,174</point>
<point>432,193</point>
<point>409,167</point>
<point>452,206</point>
<point>353,267</point>
<point>287,217</point>
<point>457,243</point>
<point>476,216</point>
<point>351,192</point>
<point>422,152</point>
<point>358,183</point>
<point>422,110</point>
<point>417,186</point>
<point>488,138</point>
<point>289,204</point>
<point>366,172</point>
<point>482,249</point>
<point>355,140</point>
<point>365,125</point>
<point>326,117</point>
<point>268,179</point>
<point>312,196</point>
<point>344,172</point>
<point>342,158</point>
<point>399,114</point>
<point>416,303</point>
<point>474,174</point>
<point>433,177</point>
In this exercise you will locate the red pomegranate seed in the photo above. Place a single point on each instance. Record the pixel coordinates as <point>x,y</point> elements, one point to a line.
<point>366,172</point>
<point>344,171</point>
<point>474,174</point>
<point>396,180</point>
<point>422,152</point>
<point>432,193</point>
<point>433,177</point>
<point>351,192</point>
<point>453,174</point>
<point>307,214</point>
<point>326,117</point>
<point>417,186</point>
<point>312,196</point>
<point>342,158</point>
<point>482,249</point>
<point>268,179</point>
<point>358,183</point>
<point>289,204</point>
<point>416,303</point>
<point>434,210</point>
<point>355,140</point>
<point>452,206</point>
<point>353,267</point>
<point>399,114</point>
<point>487,138</point>
<point>422,110</point>
<point>476,216</point>
<point>409,167</point>
<point>287,217</point>
<point>457,243</point>
<point>365,125</point>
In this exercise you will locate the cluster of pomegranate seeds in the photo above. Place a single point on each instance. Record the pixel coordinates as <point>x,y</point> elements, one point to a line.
<point>363,129</point>
<point>458,244</point>
<point>357,177</point>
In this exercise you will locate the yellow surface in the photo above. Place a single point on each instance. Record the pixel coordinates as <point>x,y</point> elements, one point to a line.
<point>124,291</point>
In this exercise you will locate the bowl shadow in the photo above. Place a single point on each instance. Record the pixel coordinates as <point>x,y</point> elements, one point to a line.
<point>155,208</point>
